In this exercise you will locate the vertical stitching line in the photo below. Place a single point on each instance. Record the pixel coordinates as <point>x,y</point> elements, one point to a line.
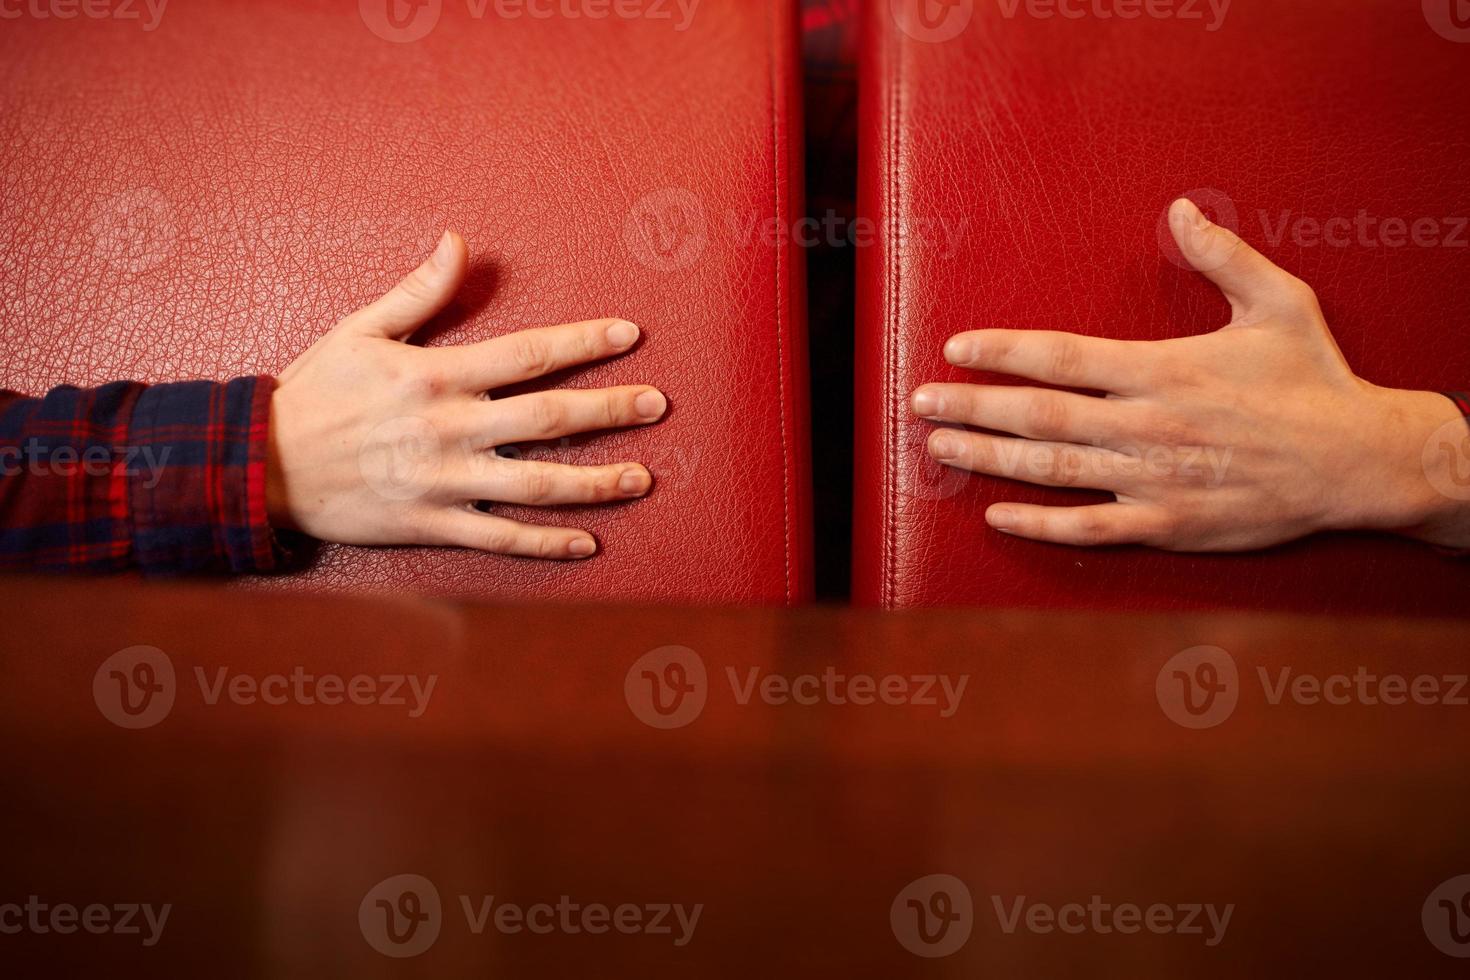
<point>780,328</point>
<point>893,273</point>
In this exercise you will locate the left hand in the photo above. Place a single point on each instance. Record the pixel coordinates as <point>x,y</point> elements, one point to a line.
<point>1253,435</point>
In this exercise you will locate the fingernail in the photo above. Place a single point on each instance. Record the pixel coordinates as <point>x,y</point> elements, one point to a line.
<point>959,351</point>
<point>650,405</point>
<point>622,335</point>
<point>582,547</point>
<point>633,482</point>
<point>1000,518</point>
<point>443,255</point>
<point>944,446</point>
<point>926,403</point>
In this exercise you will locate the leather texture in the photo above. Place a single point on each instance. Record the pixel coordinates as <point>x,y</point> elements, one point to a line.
<point>1020,170</point>
<point>205,199</point>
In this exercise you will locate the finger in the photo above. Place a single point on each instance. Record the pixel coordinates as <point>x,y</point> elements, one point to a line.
<point>1248,279</point>
<point>1048,464</point>
<point>565,412</point>
<point>465,527</point>
<point>1056,358</point>
<point>1085,527</point>
<point>540,484</point>
<point>529,354</point>
<point>422,293</point>
<point>1036,413</point>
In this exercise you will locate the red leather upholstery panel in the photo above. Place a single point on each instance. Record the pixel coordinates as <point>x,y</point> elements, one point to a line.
<point>1020,170</point>
<point>206,198</point>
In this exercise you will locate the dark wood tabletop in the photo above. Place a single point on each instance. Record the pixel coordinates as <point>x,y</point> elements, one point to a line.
<point>207,781</point>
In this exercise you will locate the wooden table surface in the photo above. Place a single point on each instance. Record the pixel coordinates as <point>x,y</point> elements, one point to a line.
<point>1167,796</point>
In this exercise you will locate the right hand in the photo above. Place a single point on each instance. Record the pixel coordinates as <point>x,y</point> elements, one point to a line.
<point>377,442</point>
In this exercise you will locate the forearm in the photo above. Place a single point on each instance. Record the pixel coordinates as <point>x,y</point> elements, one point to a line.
<point>164,479</point>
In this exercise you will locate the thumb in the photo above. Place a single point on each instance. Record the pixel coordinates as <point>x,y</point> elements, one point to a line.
<point>1247,278</point>
<point>421,294</point>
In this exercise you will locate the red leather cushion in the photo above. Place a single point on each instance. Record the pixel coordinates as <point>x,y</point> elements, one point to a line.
<point>1028,162</point>
<point>206,198</point>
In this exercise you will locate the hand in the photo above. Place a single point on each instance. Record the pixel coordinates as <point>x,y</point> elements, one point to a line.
<point>376,442</point>
<point>1247,437</point>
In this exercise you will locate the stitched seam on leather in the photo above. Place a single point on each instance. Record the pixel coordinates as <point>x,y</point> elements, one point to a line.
<point>893,273</point>
<point>780,291</point>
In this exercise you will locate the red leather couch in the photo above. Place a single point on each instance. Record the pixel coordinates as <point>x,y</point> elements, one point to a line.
<point>205,198</point>
<point>1028,161</point>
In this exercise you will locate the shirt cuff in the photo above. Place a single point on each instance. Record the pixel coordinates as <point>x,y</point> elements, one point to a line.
<point>198,498</point>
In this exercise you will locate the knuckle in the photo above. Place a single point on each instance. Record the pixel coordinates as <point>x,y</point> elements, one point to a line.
<point>544,545</point>
<point>1170,431</point>
<point>497,539</point>
<point>617,407</point>
<point>1298,296</point>
<point>604,485</point>
<point>591,344</point>
<point>1065,358</point>
<point>1046,415</point>
<point>1092,529</point>
<point>422,384</point>
<point>537,484</point>
<point>1070,466</point>
<point>531,355</point>
<point>416,287</point>
<point>547,416</point>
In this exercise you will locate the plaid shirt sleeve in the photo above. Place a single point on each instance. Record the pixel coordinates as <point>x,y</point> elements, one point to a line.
<point>1462,402</point>
<point>166,479</point>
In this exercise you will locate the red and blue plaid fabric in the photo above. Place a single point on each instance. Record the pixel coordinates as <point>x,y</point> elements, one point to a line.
<point>166,479</point>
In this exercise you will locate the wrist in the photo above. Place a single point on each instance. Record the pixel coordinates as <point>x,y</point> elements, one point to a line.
<point>277,498</point>
<point>1420,465</point>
